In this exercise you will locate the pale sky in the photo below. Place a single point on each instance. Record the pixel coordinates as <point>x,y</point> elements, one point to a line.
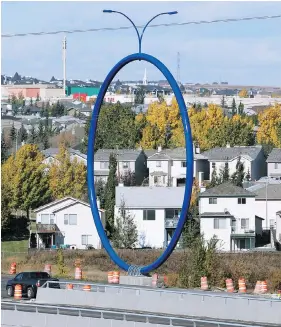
<point>246,52</point>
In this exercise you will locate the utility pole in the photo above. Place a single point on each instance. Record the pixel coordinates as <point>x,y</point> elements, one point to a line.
<point>64,63</point>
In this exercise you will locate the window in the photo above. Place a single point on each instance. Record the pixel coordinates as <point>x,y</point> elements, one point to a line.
<point>18,277</point>
<point>241,200</point>
<point>66,219</point>
<point>213,165</point>
<point>183,163</point>
<point>125,164</point>
<point>45,218</point>
<point>244,223</point>
<point>70,219</point>
<point>158,163</point>
<point>271,222</point>
<point>104,165</point>
<point>85,239</point>
<point>52,219</point>
<point>148,214</point>
<point>213,200</point>
<point>172,213</point>
<point>276,165</point>
<point>219,223</point>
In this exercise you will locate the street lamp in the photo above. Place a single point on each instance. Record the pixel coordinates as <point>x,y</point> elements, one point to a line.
<point>138,34</point>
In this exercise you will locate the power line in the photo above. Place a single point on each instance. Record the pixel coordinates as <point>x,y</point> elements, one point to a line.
<point>227,20</point>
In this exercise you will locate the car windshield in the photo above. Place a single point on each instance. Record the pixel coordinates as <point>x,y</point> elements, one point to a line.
<point>39,275</point>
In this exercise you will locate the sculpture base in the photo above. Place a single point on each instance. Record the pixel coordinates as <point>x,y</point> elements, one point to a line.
<point>136,280</point>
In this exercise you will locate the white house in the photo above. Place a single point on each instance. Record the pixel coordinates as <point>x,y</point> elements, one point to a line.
<point>278,226</point>
<point>227,211</point>
<point>156,211</point>
<point>274,164</point>
<point>251,156</point>
<point>128,160</point>
<point>67,222</point>
<point>51,153</point>
<point>167,167</point>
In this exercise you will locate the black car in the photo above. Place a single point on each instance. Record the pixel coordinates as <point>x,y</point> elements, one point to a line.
<point>29,282</point>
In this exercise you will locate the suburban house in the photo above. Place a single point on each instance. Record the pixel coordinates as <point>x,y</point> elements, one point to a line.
<point>278,226</point>
<point>274,163</point>
<point>227,212</point>
<point>156,211</point>
<point>267,201</point>
<point>167,167</point>
<point>66,223</point>
<point>252,157</point>
<point>51,153</point>
<point>128,160</point>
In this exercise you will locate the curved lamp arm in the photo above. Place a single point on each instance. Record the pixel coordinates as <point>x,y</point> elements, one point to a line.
<point>164,13</point>
<point>118,12</point>
<point>140,36</point>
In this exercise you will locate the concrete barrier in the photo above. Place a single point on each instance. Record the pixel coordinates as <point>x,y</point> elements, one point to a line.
<point>172,302</point>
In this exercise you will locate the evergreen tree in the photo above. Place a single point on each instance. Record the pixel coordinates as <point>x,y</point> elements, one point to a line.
<point>140,95</point>
<point>33,135</point>
<point>233,108</point>
<point>13,133</point>
<point>100,191</point>
<point>45,142</point>
<point>125,233</point>
<point>22,134</point>
<point>237,178</point>
<point>248,175</point>
<point>241,108</point>
<point>37,97</point>
<point>214,178</point>
<point>205,105</point>
<point>4,150</point>
<point>31,102</point>
<point>224,177</point>
<point>223,102</point>
<point>110,195</point>
<point>40,131</point>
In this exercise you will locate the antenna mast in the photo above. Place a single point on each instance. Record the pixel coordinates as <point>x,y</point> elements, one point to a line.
<point>64,63</point>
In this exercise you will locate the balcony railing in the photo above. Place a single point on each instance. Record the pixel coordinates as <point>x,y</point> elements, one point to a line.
<point>171,222</point>
<point>46,228</point>
<point>249,230</point>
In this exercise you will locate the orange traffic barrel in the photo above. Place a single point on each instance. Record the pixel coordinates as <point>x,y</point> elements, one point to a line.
<point>116,277</point>
<point>257,289</point>
<point>13,268</point>
<point>263,287</point>
<point>48,269</point>
<point>165,278</point>
<point>87,288</point>
<point>154,280</point>
<point>110,277</point>
<point>242,285</point>
<point>18,292</point>
<point>204,283</point>
<point>229,285</point>
<point>78,273</point>
<point>69,286</point>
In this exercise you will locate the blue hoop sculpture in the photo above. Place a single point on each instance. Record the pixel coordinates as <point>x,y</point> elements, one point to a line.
<point>135,270</point>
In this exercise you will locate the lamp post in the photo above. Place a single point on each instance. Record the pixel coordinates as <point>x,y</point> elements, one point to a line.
<point>138,34</point>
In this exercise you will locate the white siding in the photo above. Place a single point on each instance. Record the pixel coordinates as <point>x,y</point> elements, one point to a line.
<point>272,169</point>
<point>165,167</point>
<point>272,208</point>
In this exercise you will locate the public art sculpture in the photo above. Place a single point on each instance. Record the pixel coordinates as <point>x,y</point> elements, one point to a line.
<point>131,269</point>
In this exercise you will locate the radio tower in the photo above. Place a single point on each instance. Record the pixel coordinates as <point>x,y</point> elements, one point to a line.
<point>178,68</point>
<point>64,63</point>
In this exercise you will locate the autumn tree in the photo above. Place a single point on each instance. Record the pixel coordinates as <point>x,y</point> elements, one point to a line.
<point>269,129</point>
<point>125,233</point>
<point>25,179</point>
<point>67,178</point>
<point>110,194</point>
<point>243,93</point>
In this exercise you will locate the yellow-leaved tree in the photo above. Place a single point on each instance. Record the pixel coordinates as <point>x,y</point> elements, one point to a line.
<point>269,129</point>
<point>243,93</point>
<point>67,177</point>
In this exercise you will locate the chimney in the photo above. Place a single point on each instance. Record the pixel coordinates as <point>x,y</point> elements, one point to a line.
<point>197,149</point>
<point>159,148</point>
<point>98,203</point>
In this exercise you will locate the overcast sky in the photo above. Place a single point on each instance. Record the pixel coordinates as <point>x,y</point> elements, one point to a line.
<point>246,52</point>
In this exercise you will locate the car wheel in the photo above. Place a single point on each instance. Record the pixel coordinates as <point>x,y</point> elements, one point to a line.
<point>10,291</point>
<point>30,293</point>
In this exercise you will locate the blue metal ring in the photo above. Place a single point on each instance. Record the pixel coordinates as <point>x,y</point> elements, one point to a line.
<point>189,161</point>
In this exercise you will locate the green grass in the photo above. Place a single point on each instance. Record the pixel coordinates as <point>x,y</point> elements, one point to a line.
<point>14,246</point>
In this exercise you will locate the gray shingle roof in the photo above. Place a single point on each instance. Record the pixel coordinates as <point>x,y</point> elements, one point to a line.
<point>123,154</point>
<point>150,197</point>
<point>54,151</point>
<point>233,152</point>
<point>171,154</point>
<point>275,155</point>
<point>226,190</point>
<point>273,192</point>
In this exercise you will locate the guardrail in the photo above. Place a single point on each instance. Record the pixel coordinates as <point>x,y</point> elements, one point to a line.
<point>124,316</point>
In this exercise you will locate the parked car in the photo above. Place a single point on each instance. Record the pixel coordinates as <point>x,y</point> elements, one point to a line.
<point>30,281</point>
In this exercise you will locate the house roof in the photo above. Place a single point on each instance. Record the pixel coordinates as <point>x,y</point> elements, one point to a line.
<point>51,152</point>
<point>170,154</point>
<point>233,152</point>
<point>50,204</point>
<point>149,197</point>
<point>275,155</point>
<point>226,190</point>
<point>269,192</point>
<point>123,154</point>
<point>158,173</point>
<point>216,214</point>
